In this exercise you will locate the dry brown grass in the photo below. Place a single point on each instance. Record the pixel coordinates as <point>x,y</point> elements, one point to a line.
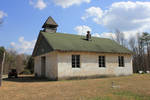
<point>135,87</point>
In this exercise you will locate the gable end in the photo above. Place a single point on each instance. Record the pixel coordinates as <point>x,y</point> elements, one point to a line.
<point>42,46</point>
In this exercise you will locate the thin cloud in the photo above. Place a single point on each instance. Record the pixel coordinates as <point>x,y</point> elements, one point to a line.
<point>23,46</point>
<point>39,4</point>
<point>3,14</point>
<point>68,3</point>
<point>82,30</point>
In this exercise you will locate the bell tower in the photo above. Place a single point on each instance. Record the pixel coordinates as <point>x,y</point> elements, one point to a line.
<point>50,25</point>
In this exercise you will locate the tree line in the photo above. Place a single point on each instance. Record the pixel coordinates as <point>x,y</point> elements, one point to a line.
<point>23,63</point>
<point>140,46</point>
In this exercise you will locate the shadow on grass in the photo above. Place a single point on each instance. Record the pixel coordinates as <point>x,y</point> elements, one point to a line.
<point>31,78</point>
<point>27,79</point>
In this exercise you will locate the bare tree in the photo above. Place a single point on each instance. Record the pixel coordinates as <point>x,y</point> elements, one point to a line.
<point>132,44</point>
<point>21,62</point>
<point>15,61</point>
<point>120,38</point>
<point>145,38</point>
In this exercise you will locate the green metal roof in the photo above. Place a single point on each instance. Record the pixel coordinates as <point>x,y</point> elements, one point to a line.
<point>70,42</point>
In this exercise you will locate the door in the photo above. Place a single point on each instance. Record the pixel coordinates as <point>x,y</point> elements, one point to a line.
<point>43,66</point>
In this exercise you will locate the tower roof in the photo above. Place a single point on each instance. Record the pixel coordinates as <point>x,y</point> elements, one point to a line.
<point>50,22</point>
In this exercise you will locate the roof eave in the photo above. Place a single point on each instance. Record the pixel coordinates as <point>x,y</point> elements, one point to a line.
<point>92,51</point>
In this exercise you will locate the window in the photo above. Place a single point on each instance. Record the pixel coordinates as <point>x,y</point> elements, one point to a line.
<point>101,61</point>
<point>121,61</point>
<point>75,61</point>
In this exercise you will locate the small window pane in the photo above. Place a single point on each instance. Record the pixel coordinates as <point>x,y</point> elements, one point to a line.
<point>73,57</point>
<point>78,63</point>
<point>78,66</point>
<point>78,56</point>
<point>73,65</point>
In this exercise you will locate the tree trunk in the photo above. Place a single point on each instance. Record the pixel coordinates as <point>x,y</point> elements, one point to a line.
<point>1,68</point>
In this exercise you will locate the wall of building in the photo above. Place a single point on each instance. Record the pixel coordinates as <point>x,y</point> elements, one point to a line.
<point>59,64</point>
<point>51,65</point>
<point>89,65</point>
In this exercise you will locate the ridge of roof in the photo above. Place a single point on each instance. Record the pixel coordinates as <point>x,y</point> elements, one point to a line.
<point>72,34</point>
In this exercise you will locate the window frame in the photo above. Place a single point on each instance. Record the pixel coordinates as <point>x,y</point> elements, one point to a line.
<point>102,61</point>
<point>76,61</point>
<point>121,62</point>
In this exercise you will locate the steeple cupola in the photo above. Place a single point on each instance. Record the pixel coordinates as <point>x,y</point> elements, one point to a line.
<point>50,25</point>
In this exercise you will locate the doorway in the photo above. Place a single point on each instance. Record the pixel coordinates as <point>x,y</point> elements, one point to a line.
<point>43,66</point>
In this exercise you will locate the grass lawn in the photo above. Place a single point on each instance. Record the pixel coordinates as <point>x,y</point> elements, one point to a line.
<point>135,87</point>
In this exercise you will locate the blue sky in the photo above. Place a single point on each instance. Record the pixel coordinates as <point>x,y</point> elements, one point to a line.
<point>23,19</point>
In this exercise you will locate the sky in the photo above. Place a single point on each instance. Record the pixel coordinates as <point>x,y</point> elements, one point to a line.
<point>23,19</point>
